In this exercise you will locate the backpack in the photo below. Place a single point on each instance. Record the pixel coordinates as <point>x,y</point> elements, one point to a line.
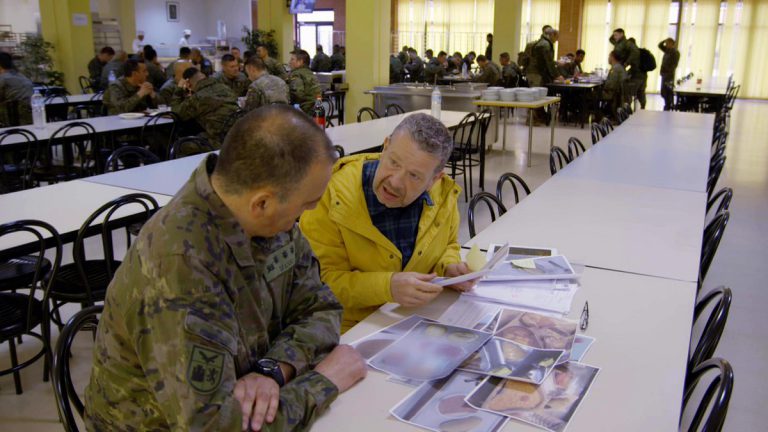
<point>525,59</point>
<point>647,60</point>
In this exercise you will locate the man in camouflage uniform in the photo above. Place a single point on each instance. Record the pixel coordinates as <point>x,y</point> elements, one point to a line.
<point>509,70</point>
<point>490,72</point>
<point>217,319</point>
<point>273,66</point>
<point>170,88</point>
<point>265,89</point>
<point>302,82</point>
<point>542,68</point>
<point>415,66</point>
<point>184,56</point>
<point>338,62</point>
<point>231,76</point>
<point>667,71</point>
<point>638,78</point>
<point>395,69</point>
<point>620,45</point>
<point>96,66</point>
<point>132,92</point>
<point>403,56</point>
<point>321,62</point>
<point>201,63</point>
<point>212,105</point>
<point>435,69</point>
<point>16,92</point>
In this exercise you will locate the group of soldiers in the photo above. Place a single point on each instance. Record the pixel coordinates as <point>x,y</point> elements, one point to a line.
<point>322,63</point>
<point>212,100</point>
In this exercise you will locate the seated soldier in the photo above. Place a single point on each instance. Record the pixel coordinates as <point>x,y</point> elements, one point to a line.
<point>435,69</point>
<point>231,76</point>
<point>490,72</point>
<point>132,92</point>
<point>510,72</point>
<point>614,85</point>
<point>210,103</point>
<point>321,62</point>
<point>96,66</point>
<point>265,89</point>
<point>184,56</point>
<point>389,223</point>
<point>231,328</point>
<point>171,86</point>
<point>16,92</point>
<point>302,82</point>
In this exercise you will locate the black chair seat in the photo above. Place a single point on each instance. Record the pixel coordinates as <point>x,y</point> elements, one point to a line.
<point>14,311</point>
<point>19,272</point>
<point>69,286</point>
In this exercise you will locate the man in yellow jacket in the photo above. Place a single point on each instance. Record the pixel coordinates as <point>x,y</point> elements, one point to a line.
<point>388,224</point>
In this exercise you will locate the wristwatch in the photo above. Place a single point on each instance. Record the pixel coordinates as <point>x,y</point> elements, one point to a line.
<point>270,368</point>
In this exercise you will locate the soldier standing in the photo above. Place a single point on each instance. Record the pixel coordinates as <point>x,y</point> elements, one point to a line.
<point>265,89</point>
<point>232,328</point>
<point>667,71</point>
<point>273,66</point>
<point>302,82</point>
<point>132,92</point>
<point>231,76</point>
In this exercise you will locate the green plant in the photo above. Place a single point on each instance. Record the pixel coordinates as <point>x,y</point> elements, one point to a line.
<point>36,62</point>
<point>256,37</point>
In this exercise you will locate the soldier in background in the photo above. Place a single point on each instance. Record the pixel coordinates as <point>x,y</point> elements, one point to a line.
<point>200,62</point>
<point>132,92</point>
<point>115,66</point>
<point>395,69</point>
<point>210,103</point>
<point>435,69</point>
<point>232,328</point>
<point>403,56</point>
<point>96,66</point>
<point>231,76</point>
<point>265,89</point>
<point>302,82</point>
<point>155,71</point>
<point>638,78</point>
<point>321,62</point>
<point>490,72</point>
<point>510,72</point>
<point>415,66</point>
<point>171,87</point>
<point>273,66</point>
<point>338,61</point>
<point>667,71</point>
<point>16,92</point>
<point>235,51</point>
<point>184,55</point>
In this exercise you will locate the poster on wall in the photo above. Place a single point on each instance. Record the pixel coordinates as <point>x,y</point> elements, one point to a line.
<point>302,6</point>
<point>172,11</point>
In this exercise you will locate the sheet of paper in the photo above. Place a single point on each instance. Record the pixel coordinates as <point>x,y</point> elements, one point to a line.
<point>470,313</point>
<point>542,268</point>
<point>553,300</point>
<point>474,275</point>
<point>581,345</point>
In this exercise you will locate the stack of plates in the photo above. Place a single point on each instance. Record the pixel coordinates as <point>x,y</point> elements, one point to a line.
<point>508,95</point>
<point>541,92</point>
<point>490,94</point>
<point>527,94</point>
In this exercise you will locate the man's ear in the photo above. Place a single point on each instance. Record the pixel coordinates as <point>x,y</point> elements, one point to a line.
<point>261,203</point>
<point>385,144</point>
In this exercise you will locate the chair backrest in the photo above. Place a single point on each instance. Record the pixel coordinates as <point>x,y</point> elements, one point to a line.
<point>74,139</point>
<point>512,178</point>
<point>85,84</point>
<point>724,195</point>
<point>715,168</point>
<point>575,148</point>
<point>372,115</point>
<point>189,146</point>
<point>56,108</point>
<point>44,235</point>
<point>628,108</point>
<point>490,200</point>
<point>621,114</point>
<point>557,160</point>
<point>129,157</point>
<point>97,96</point>
<point>607,126</point>
<point>328,105</point>
<point>597,133</point>
<point>734,95</point>
<point>484,118</point>
<point>464,131</point>
<point>109,222</point>
<point>16,161</point>
<point>713,233</point>
<point>393,109</point>
<point>339,150</point>
<point>715,398</point>
<point>703,348</point>
<point>63,386</point>
<point>159,131</point>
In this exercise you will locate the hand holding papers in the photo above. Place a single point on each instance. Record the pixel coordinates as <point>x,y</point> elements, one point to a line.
<point>497,257</point>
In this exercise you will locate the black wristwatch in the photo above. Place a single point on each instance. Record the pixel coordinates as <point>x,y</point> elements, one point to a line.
<point>270,368</point>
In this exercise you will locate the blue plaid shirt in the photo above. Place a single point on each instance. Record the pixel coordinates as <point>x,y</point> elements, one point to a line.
<point>399,225</point>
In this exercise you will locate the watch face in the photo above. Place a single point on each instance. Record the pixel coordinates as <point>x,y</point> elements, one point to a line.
<point>268,364</point>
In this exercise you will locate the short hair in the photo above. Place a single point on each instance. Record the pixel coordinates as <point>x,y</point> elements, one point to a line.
<point>632,40</point>
<point>247,54</point>
<point>472,53</point>
<point>617,55</point>
<point>504,55</point>
<point>226,58</point>
<point>131,66</point>
<point>319,48</point>
<point>481,58</point>
<point>413,50</point>
<point>149,53</point>
<point>429,51</point>
<point>6,61</point>
<point>256,62</point>
<point>302,56</point>
<point>189,73</point>
<point>457,54</point>
<point>545,28</point>
<point>489,35</point>
<point>571,55</point>
<point>273,145</point>
<point>430,135</point>
<point>234,48</point>
<point>442,53</point>
<point>185,52</point>
<point>619,30</point>
<point>580,51</point>
<point>107,50</point>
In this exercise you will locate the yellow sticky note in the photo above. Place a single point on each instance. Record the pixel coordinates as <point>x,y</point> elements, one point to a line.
<point>526,263</point>
<point>475,259</point>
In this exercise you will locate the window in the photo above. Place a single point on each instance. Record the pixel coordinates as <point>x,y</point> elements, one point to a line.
<point>314,29</point>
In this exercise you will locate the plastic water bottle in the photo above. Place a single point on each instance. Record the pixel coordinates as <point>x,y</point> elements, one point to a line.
<point>437,102</point>
<point>297,106</point>
<point>464,71</point>
<point>112,77</point>
<point>38,110</point>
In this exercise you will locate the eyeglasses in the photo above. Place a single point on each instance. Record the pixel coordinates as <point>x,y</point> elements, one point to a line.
<point>585,316</point>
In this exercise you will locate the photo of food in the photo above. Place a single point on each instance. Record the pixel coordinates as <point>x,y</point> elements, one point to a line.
<point>440,406</point>
<point>429,351</point>
<point>533,268</point>
<point>581,344</point>
<point>372,344</point>
<point>537,331</point>
<point>550,405</point>
<point>507,359</point>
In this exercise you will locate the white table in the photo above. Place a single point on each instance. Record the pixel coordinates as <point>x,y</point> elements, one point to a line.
<point>358,137</point>
<point>75,99</point>
<point>64,205</point>
<point>635,229</point>
<point>674,158</point>
<point>100,124</point>
<point>670,120</point>
<point>706,89</point>
<point>642,325</point>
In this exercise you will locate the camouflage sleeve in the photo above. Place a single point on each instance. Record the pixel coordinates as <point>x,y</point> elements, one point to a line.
<point>452,251</point>
<point>312,315</point>
<point>187,108</point>
<point>118,102</point>
<point>187,347</point>
<point>254,98</point>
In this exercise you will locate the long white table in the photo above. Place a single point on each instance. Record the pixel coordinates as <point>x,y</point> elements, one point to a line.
<point>642,325</point>
<point>100,124</point>
<point>75,99</point>
<point>670,121</point>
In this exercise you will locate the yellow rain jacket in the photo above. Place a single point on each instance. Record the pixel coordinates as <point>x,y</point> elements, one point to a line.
<point>356,259</point>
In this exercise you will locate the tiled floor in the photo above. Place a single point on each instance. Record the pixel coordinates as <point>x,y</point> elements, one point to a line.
<point>741,255</point>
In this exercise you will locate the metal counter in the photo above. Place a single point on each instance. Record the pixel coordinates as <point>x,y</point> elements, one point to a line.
<point>414,97</point>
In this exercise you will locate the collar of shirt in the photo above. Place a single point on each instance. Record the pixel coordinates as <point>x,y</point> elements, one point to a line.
<point>374,206</point>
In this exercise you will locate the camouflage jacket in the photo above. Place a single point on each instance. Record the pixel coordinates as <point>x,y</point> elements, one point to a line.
<point>156,75</point>
<point>321,63</point>
<point>266,90</point>
<point>275,68</point>
<point>613,84</point>
<point>194,305</point>
<point>433,70</point>
<point>238,85</point>
<point>16,92</point>
<point>212,106</point>
<point>542,61</point>
<point>304,88</point>
<point>168,91</point>
<point>121,97</point>
<point>491,74</point>
<point>338,62</point>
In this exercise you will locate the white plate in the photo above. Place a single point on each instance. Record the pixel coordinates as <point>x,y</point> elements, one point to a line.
<point>131,116</point>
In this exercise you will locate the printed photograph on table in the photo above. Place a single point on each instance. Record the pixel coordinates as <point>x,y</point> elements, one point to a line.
<point>554,267</point>
<point>440,406</point>
<point>550,405</point>
<point>581,344</point>
<point>372,344</point>
<point>506,359</point>
<point>537,331</point>
<point>429,351</point>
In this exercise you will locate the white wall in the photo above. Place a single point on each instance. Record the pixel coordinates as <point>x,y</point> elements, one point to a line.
<point>23,15</point>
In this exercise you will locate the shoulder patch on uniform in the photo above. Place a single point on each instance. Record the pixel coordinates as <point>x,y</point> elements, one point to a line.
<point>206,366</point>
